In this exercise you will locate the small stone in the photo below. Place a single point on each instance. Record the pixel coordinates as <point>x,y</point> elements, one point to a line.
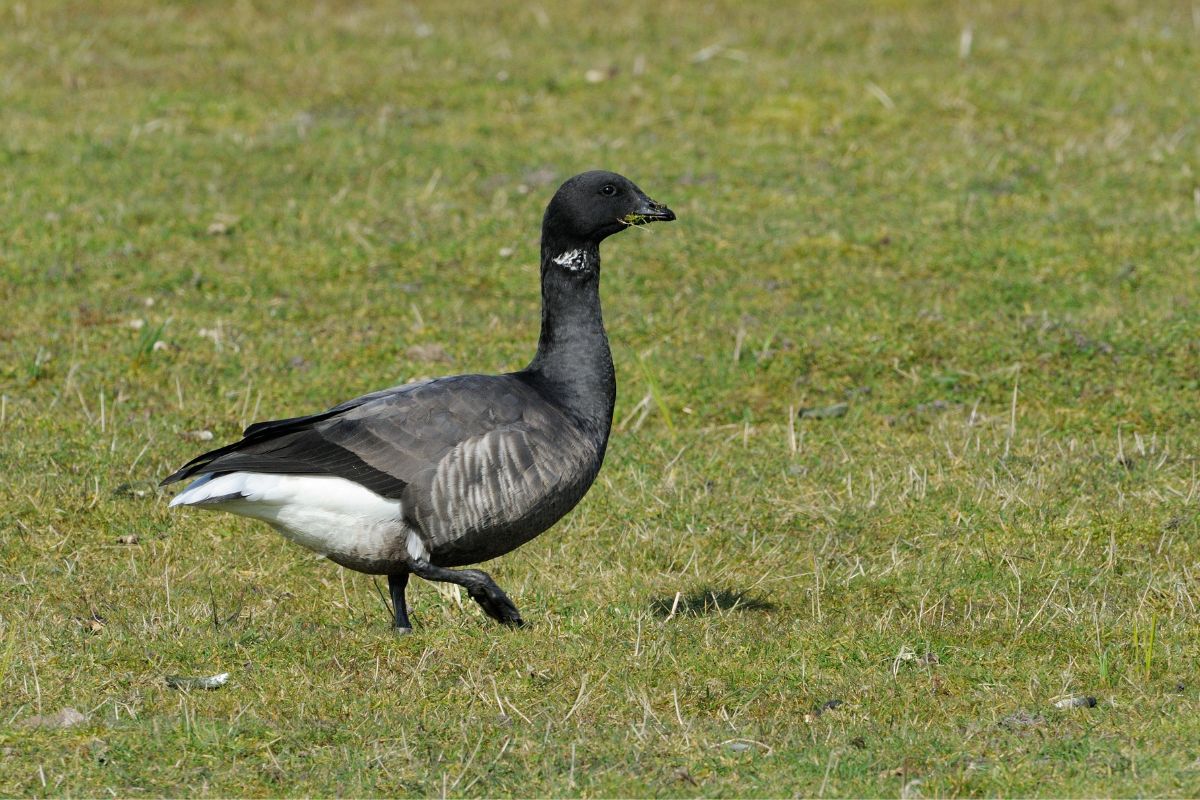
<point>427,352</point>
<point>825,412</point>
<point>1020,720</point>
<point>222,225</point>
<point>63,719</point>
<point>208,682</point>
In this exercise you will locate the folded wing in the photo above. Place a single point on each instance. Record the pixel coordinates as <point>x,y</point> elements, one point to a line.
<point>386,440</point>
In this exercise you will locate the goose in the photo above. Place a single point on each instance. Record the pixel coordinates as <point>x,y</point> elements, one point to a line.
<point>425,477</point>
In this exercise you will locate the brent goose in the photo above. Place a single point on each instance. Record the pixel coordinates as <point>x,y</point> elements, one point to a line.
<point>426,476</point>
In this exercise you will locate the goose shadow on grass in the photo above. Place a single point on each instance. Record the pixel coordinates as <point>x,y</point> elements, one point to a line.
<point>709,601</point>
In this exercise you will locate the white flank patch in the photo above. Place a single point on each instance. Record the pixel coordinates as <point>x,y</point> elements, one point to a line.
<point>574,260</point>
<point>330,515</point>
<point>416,548</point>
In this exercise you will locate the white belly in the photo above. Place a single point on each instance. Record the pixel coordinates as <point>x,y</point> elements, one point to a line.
<point>332,516</point>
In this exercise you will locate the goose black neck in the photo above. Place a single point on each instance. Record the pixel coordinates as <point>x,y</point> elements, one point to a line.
<point>573,365</point>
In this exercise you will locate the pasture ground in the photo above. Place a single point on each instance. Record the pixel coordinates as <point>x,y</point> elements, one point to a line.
<point>976,226</point>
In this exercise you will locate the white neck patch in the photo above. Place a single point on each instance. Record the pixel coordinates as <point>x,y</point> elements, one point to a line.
<point>573,260</point>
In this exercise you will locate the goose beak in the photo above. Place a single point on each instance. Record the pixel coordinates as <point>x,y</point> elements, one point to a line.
<point>649,211</point>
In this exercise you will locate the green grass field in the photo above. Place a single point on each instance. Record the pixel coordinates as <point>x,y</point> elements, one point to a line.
<point>976,225</point>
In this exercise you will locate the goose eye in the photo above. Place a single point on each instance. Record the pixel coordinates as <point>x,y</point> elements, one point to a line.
<point>608,190</point>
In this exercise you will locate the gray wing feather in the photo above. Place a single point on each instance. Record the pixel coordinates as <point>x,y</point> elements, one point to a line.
<point>494,491</point>
<point>384,440</point>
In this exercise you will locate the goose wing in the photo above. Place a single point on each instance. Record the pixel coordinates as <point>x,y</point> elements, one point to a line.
<point>385,440</point>
<point>491,492</point>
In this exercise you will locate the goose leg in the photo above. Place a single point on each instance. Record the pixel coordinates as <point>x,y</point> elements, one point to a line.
<point>396,586</point>
<point>479,585</point>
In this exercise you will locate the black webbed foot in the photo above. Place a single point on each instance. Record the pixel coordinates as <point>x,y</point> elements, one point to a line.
<point>483,590</point>
<point>495,603</point>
